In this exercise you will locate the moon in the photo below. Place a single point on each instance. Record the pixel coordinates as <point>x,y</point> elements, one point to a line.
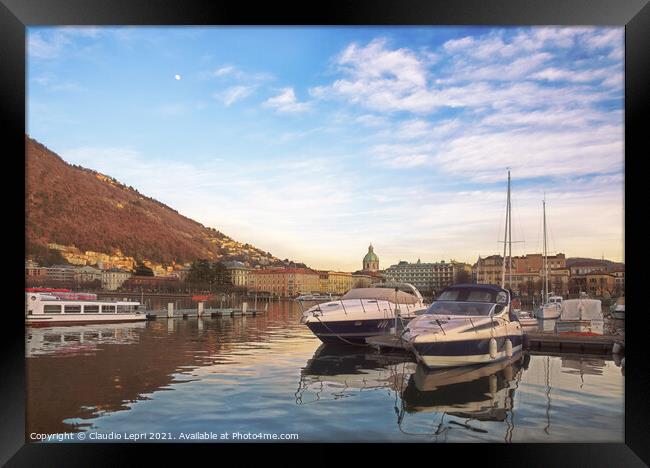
<point>177,77</point>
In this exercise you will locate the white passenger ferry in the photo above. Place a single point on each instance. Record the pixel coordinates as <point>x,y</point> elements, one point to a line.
<point>47,308</point>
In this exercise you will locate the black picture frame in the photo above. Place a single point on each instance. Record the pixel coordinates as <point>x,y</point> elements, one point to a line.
<point>15,15</point>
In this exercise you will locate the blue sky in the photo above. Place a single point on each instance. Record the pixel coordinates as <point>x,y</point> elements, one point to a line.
<point>313,142</point>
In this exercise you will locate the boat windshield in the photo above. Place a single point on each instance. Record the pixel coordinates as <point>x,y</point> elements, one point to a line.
<point>460,308</point>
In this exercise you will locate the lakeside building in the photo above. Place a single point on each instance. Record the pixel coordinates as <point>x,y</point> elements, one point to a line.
<point>239,273</point>
<point>429,278</point>
<point>619,279</point>
<point>527,273</point>
<point>339,282</point>
<point>60,273</point>
<point>284,282</point>
<point>87,274</point>
<point>584,267</point>
<point>151,283</point>
<point>114,278</point>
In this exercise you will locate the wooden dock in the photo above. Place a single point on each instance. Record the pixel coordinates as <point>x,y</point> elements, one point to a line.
<point>537,341</point>
<point>207,313</point>
<point>591,344</point>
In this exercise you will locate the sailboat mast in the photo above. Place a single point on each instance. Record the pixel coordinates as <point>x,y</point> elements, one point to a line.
<point>509,235</point>
<point>544,299</point>
<point>505,236</point>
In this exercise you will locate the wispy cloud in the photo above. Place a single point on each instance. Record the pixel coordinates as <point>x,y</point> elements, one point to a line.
<point>287,102</point>
<point>234,94</point>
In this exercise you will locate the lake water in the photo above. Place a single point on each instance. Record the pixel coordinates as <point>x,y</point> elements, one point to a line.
<point>268,374</point>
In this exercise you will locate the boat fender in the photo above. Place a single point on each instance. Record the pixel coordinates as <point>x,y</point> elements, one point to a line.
<point>508,347</point>
<point>493,348</point>
<point>493,381</point>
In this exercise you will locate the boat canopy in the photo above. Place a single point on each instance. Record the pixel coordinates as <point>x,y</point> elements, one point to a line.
<point>382,294</point>
<point>581,309</point>
<point>474,293</point>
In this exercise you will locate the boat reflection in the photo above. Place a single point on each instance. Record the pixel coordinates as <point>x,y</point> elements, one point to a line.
<point>78,339</point>
<point>336,371</point>
<point>480,392</point>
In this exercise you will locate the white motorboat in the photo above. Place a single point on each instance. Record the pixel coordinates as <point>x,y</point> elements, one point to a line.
<point>551,309</point>
<point>581,316</point>
<point>364,312</point>
<point>617,310</point>
<point>47,309</point>
<point>468,324</point>
<point>526,318</point>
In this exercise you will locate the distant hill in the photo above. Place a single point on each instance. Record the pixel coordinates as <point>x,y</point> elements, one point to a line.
<point>73,206</point>
<point>610,265</point>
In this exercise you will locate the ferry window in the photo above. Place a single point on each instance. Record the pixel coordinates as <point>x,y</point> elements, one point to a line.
<point>124,309</point>
<point>72,309</point>
<point>91,309</point>
<point>52,309</point>
<point>108,309</point>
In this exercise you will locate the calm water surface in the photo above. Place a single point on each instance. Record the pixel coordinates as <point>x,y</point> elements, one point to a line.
<point>269,374</point>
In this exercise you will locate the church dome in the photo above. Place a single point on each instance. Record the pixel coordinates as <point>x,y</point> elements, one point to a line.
<point>370,256</point>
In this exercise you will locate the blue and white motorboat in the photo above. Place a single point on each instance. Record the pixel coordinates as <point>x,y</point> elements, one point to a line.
<point>468,324</point>
<point>365,312</point>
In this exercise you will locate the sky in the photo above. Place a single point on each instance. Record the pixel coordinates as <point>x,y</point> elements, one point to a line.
<point>312,143</point>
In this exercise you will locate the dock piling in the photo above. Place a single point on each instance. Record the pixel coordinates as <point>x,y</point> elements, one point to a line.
<point>170,310</point>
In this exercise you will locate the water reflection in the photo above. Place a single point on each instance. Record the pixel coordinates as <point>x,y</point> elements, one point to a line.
<point>337,371</point>
<point>269,373</point>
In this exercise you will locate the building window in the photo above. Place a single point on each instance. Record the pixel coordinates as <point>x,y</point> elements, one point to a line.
<point>52,309</point>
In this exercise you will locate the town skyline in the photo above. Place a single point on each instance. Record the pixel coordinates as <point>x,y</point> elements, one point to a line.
<point>336,138</point>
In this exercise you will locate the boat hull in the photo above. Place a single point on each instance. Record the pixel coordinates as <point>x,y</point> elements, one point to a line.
<point>548,312</point>
<point>465,352</point>
<point>355,331</point>
<point>51,320</point>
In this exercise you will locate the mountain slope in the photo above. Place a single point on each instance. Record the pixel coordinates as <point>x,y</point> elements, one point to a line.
<point>74,206</point>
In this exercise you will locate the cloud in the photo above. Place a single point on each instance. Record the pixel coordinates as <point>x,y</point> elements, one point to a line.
<point>286,102</point>
<point>234,94</point>
<point>232,72</point>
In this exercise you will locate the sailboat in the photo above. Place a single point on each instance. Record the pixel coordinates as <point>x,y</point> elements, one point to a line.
<point>551,306</point>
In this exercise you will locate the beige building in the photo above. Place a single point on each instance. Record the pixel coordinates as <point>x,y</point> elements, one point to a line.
<point>285,282</point>
<point>340,282</point>
<point>113,279</point>
<point>87,274</point>
<point>239,273</point>
<point>527,273</point>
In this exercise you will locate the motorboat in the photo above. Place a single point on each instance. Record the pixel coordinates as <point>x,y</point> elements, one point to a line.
<point>364,312</point>
<point>526,318</point>
<point>48,309</point>
<point>551,309</point>
<point>468,324</point>
<point>617,309</point>
<point>581,316</point>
